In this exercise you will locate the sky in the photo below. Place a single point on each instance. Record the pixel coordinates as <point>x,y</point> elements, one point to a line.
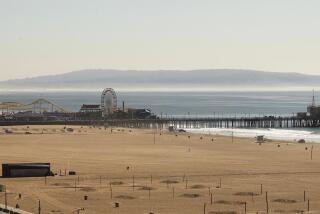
<point>41,37</point>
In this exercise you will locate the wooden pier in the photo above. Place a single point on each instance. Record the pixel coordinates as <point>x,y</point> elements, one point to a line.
<point>185,123</point>
<point>235,122</point>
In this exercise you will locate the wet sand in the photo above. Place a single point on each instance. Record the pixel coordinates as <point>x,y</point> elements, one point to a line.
<point>169,173</point>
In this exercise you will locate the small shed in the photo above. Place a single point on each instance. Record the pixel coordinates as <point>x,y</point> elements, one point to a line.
<point>12,170</point>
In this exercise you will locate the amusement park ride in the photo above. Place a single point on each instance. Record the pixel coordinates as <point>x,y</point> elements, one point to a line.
<point>43,109</point>
<point>108,102</point>
<point>38,106</point>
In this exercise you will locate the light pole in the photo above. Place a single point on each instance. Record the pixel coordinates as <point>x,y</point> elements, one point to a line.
<point>5,197</point>
<point>39,207</point>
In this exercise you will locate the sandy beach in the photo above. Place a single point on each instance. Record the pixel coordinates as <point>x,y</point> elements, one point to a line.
<point>159,172</point>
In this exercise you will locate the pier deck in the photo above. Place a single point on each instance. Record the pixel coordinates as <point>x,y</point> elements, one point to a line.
<point>209,122</point>
<point>229,122</point>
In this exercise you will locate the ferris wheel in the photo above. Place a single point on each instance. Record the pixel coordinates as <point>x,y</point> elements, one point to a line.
<point>108,101</point>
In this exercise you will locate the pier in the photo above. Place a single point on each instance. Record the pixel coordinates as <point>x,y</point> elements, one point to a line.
<point>185,123</point>
<point>45,112</point>
<point>229,122</point>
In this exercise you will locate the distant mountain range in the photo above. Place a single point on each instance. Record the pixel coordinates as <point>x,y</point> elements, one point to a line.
<point>214,78</point>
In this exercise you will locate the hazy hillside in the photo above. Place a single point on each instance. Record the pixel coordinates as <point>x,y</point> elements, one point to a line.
<point>165,78</point>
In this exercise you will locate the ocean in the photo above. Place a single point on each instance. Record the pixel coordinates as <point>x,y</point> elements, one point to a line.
<point>195,104</point>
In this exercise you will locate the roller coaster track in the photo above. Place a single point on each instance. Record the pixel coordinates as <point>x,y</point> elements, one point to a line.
<point>42,101</point>
<point>38,106</point>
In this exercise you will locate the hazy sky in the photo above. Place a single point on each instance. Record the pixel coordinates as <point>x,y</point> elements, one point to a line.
<point>40,37</point>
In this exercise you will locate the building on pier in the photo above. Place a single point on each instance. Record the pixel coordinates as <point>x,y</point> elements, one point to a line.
<point>85,108</point>
<point>132,113</point>
<point>314,109</point>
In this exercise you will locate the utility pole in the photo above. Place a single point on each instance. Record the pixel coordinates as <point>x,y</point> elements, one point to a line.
<point>313,99</point>
<point>39,207</point>
<point>232,137</point>
<point>5,198</point>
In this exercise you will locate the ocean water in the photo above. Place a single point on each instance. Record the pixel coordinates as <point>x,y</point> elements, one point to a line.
<point>195,104</point>
<point>309,135</point>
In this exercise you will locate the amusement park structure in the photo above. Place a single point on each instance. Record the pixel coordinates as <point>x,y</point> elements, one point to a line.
<point>46,110</point>
<point>38,106</point>
<point>108,102</point>
<point>43,105</point>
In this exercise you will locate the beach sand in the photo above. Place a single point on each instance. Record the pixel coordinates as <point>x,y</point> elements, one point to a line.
<point>171,172</point>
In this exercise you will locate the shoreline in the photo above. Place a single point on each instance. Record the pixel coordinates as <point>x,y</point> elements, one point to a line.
<point>280,134</point>
<point>212,132</point>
